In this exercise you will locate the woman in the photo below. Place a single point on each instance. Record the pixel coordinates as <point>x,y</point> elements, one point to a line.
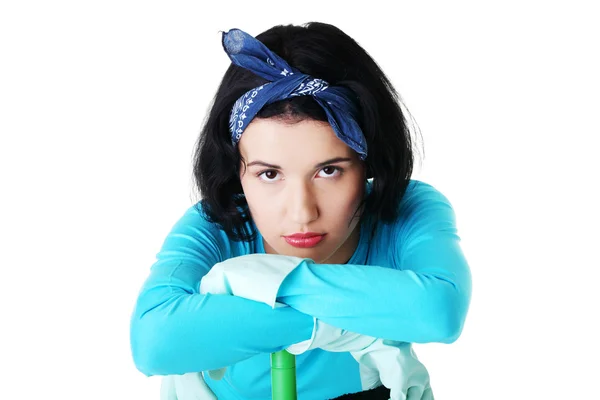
<point>305,153</point>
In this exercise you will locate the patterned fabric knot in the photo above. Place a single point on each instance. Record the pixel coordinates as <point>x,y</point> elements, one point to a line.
<point>287,82</point>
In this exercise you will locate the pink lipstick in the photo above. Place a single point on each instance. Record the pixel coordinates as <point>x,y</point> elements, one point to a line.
<point>304,240</point>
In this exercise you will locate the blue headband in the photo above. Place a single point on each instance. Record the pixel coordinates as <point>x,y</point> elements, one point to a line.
<point>286,82</point>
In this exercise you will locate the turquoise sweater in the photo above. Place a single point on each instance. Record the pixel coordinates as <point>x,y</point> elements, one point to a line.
<point>409,283</point>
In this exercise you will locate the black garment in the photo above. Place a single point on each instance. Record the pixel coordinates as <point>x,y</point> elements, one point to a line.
<point>379,393</point>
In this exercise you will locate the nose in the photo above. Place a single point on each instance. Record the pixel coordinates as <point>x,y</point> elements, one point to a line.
<point>302,203</point>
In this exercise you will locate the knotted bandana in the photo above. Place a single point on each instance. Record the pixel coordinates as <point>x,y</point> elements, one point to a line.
<point>286,82</point>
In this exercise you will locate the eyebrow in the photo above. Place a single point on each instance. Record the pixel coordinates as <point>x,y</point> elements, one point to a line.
<point>319,165</point>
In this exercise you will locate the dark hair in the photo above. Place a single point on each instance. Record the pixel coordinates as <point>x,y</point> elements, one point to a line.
<point>325,52</point>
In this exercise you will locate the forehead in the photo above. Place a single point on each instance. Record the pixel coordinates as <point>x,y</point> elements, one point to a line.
<point>269,139</point>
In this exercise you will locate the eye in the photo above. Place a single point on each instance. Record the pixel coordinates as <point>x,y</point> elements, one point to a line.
<point>330,172</point>
<point>269,175</point>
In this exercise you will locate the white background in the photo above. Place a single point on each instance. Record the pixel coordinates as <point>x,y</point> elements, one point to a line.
<point>100,107</point>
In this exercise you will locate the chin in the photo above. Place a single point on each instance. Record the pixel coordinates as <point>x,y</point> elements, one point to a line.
<point>316,256</point>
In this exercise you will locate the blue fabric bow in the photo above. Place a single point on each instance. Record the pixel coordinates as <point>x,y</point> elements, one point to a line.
<point>286,82</point>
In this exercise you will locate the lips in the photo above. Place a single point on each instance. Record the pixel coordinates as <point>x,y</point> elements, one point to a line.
<point>304,240</point>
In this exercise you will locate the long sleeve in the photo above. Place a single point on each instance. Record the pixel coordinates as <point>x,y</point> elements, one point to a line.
<point>422,294</point>
<point>174,329</point>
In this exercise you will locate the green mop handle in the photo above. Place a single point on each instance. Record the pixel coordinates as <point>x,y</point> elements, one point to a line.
<point>283,376</point>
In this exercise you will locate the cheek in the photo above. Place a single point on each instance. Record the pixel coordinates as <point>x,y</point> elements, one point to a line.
<point>253,194</point>
<point>260,204</point>
<point>344,209</point>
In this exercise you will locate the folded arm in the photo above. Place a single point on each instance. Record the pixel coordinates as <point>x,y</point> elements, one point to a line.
<point>422,296</point>
<point>174,329</point>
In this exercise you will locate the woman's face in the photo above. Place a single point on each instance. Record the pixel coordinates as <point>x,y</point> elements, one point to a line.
<point>300,178</point>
